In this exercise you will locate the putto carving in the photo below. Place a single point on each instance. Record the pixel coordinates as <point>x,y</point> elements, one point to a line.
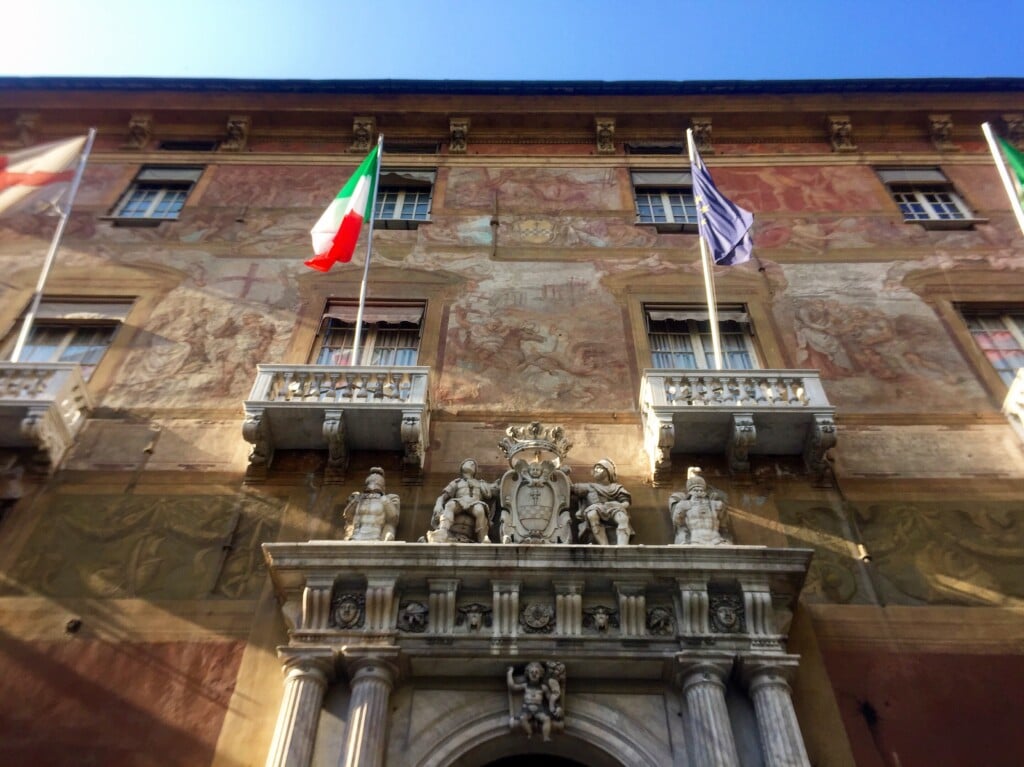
<point>600,619</point>
<point>603,502</point>
<point>463,512</point>
<point>237,134</point>
<point>605,129</point>
<point>140,131</point>
<point>26,125</point>
<point>1014,128</point>
<point>412,617</point>
<point>458,128</point>
<point>543,689</point>
<point>840,133</point>
<point>364,133</point>
<point>537,618</point>
<point>372,515</point>
<point>725,613</point>
<point>698,515</point>
<point>940,129</point>
<point>701,127</point>
<point>347,611</point>
<point>660,621</point>
<point>474,616</point>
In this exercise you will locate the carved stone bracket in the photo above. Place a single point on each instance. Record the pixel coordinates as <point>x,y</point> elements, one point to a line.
<point>256,431</point>
<point>412,442</point>
<point>43,427</point>
<point>26,125</point>
<point>604,127</point>
<point>364,133</point>
<point>820,438</point>
<point>1014,130</point>
<point>337,450</point>
<point>443,593</point>
<point>632,608</point>
<point>458,130</point>
<point>840,133</point>
<point>701,127</point>
<point>940,129</point>
<point>140,131</point>
<point>660,436</point>
<point>237,138</point>
<point>743,436</point>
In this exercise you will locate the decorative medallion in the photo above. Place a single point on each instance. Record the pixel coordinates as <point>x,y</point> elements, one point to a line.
<point>347,611</point>
<point>537,618</point>
<point>412,617</point>
<point>726,613</point>
<point>660,622</point>
<point>474,616</point>
<point>600,618</point>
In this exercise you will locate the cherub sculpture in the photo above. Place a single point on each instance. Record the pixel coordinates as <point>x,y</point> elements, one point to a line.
<point>541,686</point>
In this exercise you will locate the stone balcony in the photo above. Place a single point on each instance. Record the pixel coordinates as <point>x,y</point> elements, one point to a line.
<point>43,406</point>
<point>337,409</point>
<point>736,412</point>
<point>461,609</point>
<point>1013,405</point>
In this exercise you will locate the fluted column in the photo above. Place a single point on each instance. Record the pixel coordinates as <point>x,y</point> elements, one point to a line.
<point>307,672</point>
<point>708,726</point>
<point>767,679</point>
<point>371,678</point>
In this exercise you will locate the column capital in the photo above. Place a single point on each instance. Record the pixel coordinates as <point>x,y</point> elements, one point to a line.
<point>317,663</point>
<point>760,669</point>
<point>693,668</point>
<point>365,663</point>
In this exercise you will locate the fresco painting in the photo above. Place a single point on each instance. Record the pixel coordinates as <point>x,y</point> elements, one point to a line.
<point>534,190</point>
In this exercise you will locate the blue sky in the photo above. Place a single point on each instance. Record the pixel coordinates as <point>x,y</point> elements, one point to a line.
<point>514,40</point>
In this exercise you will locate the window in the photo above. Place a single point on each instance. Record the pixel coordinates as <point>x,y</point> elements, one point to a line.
<point>391,334</point>
<point>1000,337</point>
<point>680,338</point>
<point>71,331</point>
<point>925,196</point>
<point>665,199</point>
<point>157,194</point>
<point>403,199</point>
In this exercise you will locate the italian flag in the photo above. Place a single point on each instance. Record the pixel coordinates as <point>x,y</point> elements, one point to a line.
<point>1015,159</point>
<point>34,179</point>
<point>336,233</point>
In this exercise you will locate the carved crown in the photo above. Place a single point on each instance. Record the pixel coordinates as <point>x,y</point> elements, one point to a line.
<point>545,442</point>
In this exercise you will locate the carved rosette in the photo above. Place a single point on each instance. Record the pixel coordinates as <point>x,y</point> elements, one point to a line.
<point>940,130</point>
<point>840,133</point>
<point>140,131</point>
<point>537,618</point>
<point>701,127</point>
<point>237,130</point>
<point>604,127</point>
<point>458,130</point>
<point>364,133</point>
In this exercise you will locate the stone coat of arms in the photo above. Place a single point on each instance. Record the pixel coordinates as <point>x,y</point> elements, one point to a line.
<point>535,494</point>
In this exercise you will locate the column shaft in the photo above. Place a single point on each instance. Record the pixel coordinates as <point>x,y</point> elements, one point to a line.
<point>708,719</point>
<point>295,733</point>
<point>781,741</point>
<point>366,732</point>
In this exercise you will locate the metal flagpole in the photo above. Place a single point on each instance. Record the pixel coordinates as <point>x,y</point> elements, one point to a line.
<point>51,255</point>
<point>1011,191</point>
<point>369,248</point>
<point>705,260</point>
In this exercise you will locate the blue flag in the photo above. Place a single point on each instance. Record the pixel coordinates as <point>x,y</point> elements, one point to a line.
<point>724,225</point>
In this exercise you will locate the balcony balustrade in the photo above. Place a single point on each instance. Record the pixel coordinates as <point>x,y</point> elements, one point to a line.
<point>739,412</point>
<point>338,409</point>
<point>43,405</point>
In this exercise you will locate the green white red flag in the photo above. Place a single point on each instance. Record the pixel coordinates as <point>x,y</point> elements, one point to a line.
<point>336,233</point>
<point>34,179</point>
<point>1010,165</point>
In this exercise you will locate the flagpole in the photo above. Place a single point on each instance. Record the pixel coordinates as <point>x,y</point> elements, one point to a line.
<point>51,254</point>
<point>1011,191</point>
<point>369,247</point>
<point>709,277</point>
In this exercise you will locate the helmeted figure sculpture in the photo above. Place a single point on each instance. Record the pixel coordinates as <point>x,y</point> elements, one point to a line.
<point>698,517</point>
<point>603,501</point>
<point>372,515</point>
<point>463,512</point>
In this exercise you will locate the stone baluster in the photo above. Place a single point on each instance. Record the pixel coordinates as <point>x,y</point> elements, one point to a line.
<point>632,608</point>
<point>506,609</point>
<point>767,679</point>
<point>568,608</point>
<point>372,675</point>
<point>380,603</point>
<point>442,604</point>
<point>307,672</point>
<point>707,717</point>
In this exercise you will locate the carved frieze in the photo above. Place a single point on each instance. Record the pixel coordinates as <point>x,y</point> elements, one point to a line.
<point>140,131</point>
<point>237,134</point>
<point>940,130</point>
<point>364,133</point>
<point>458,129</point>
<point>604,127</point>
<point>840,133</point>
<point>701,127</point>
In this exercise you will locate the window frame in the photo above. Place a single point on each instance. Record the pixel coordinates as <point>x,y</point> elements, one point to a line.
<point>372,333</point>
<point>1003,313</point>
<point>916,183</point>
<point>164,180</point>
<point>664,184</point>
<point>699,340</point>
<point>404,183</point>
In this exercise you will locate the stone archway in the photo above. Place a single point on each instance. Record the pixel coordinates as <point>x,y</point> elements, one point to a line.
<point>535,760</point>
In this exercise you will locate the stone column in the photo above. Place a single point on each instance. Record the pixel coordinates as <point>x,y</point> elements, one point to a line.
<point>767,678</point>
<point>307,672</point>
<point>372,676</point>
<point>708,727</point>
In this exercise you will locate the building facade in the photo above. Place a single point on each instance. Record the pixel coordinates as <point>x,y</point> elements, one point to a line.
<point>529,519</point>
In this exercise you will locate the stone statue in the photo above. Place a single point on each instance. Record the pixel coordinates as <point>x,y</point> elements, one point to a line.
<point>463,511</point>
<point>603,501</point>
<point>541,686</point>
<point>372,515</point>
<point>697,516</point>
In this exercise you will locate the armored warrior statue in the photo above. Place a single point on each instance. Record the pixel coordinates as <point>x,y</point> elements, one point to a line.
<point>697,517</point>
<point>542,692</point>
<point>464,500</point>
<point>372,515</point>
<point>603,501</point>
